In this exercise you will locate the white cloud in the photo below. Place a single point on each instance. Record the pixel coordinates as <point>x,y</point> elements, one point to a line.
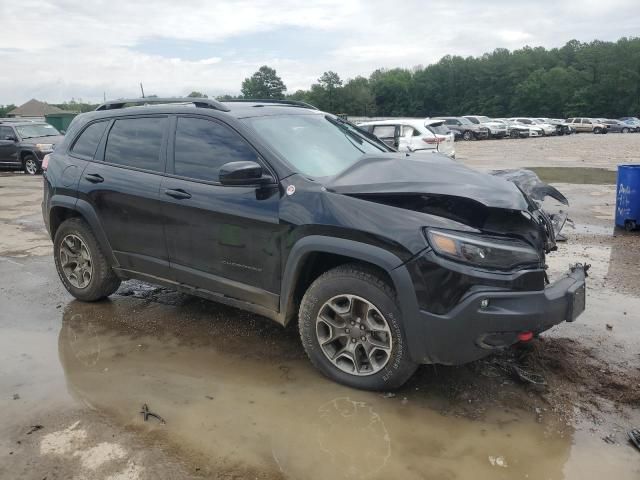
<point>82,48</point>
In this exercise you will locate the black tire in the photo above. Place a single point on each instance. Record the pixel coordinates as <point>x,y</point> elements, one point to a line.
<point>467,135</point>
<point>597,130</point>
<point>625,130</point>
<point>30,165</point>
<point>514,134</point>
<point>366,283</point>
<point>103,280</point>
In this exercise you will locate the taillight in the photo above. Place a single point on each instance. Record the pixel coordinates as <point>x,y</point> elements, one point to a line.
<point>432,141</point>
<point>45,162</point>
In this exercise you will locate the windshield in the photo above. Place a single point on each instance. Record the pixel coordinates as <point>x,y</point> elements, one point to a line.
<point>316,145</point>
<point>37,130</point>
<point>484,119</point>
<point>465,121</point>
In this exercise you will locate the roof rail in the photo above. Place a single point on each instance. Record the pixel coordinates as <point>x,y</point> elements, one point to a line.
<point>291,103</point>
<point>198,102</point>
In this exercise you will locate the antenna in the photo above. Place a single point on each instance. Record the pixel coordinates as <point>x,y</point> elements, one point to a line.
<point>142,89</point>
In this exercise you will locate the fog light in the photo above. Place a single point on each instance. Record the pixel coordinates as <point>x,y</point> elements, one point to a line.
<point>484,303</point>
<point>525,336</point>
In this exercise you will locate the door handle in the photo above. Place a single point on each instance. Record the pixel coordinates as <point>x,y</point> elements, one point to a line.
<point>94,178</point>
<point>177,193</point>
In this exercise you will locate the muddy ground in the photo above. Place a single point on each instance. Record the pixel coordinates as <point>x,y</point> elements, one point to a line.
<point>240,400</point>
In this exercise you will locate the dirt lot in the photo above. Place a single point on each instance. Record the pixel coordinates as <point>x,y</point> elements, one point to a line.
<point>240,400</point>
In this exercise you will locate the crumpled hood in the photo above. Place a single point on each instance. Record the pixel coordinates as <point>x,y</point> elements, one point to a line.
<point>398,174</point>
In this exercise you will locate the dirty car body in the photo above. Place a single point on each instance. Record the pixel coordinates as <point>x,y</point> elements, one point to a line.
<point>463,251</point>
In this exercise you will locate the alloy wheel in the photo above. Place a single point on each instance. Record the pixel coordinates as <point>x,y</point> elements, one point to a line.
<point>30,166</point>
<point>75,261</point>
<point>353,335</point>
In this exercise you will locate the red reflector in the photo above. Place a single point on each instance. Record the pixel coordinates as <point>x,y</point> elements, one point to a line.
<point>525,336</point>
<point>45,162</point>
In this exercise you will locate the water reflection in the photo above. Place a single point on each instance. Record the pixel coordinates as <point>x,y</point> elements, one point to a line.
<point>239,396</point>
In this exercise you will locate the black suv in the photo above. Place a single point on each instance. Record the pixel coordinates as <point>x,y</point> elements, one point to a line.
<point>277,208</point>
<point>23,144</point>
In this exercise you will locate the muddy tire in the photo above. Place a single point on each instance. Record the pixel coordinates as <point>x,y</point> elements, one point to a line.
<point>351,328</point>
<point>30,165</point>
<point>82,266</point>
<point>467,135</point>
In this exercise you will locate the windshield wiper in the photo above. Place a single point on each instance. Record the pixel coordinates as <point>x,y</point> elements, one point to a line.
<point>349,128</point>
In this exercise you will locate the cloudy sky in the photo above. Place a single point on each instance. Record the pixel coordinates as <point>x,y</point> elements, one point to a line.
<point>54,50</point>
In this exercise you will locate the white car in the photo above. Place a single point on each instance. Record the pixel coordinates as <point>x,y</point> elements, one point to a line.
<point>497,129</point>
<point>547,128</point>
<point>414,135</point>
<point>534,130</point>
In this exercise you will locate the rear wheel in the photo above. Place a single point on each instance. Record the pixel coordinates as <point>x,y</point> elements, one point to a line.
<point>351,329</point>
<point>81,264</point>
<point>30,165</point>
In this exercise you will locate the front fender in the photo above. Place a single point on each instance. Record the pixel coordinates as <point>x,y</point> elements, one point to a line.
<point>377,256</point>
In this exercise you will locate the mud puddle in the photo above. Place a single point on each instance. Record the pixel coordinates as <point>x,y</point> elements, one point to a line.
<point>585,175</point>
<point>239,396</point>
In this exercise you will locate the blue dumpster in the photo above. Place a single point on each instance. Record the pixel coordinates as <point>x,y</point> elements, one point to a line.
<point>628,197</point>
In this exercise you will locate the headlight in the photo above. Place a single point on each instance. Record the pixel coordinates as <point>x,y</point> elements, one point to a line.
<point>44,147</point>
<point>481,250</point>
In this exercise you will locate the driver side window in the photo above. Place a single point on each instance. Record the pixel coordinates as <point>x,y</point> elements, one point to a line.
<point>202,146</point>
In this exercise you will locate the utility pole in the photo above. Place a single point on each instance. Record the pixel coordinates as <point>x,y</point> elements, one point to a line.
<point>142,89</point>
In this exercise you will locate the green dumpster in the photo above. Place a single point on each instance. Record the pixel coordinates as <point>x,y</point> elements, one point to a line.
<point>60,120</point>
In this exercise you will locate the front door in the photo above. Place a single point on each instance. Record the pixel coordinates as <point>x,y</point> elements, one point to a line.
<point>8,147</point>
<point>224,239</point>
<point>122,185</point>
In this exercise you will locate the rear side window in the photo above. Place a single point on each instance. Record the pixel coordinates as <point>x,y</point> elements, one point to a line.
<point>384,131</point>
<point>87,144</point>
<point>136,142</point>
<point>6,132</point>
<point>203,146</point>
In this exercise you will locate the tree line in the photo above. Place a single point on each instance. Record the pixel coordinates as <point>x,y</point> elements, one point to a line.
<point>596,79</point>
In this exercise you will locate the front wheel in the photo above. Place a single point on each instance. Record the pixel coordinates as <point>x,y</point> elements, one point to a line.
<point>467,135</point>
<point>597,130</point>
<point>351,329</point>
<point>625,130</point>
<point>30,165</point>
<point>82,266</point>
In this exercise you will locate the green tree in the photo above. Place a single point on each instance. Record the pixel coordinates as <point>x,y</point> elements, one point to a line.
<point>265,83</point>
<point>196,94</point>
<point>330,82</point>
<point>4,109</point>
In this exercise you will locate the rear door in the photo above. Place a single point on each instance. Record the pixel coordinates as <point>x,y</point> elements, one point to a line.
<point>224,239</point>
<point>122,185</point>
<point>8,147</point>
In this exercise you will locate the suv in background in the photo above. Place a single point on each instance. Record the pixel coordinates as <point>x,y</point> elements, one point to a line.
<point>412,135</point>
<point>584,124</point>
<point>497,129</point>
<point>24,143</point>
<point>277,208</point>
<point>465,128</point>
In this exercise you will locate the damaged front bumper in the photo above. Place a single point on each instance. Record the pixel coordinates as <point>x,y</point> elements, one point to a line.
<point>487,321</point>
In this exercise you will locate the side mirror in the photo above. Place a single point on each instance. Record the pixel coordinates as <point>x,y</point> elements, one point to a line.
<point>242,173</point>
<point>11,138</point>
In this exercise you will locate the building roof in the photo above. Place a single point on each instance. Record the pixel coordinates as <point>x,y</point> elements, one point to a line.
<point>34,108</point>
